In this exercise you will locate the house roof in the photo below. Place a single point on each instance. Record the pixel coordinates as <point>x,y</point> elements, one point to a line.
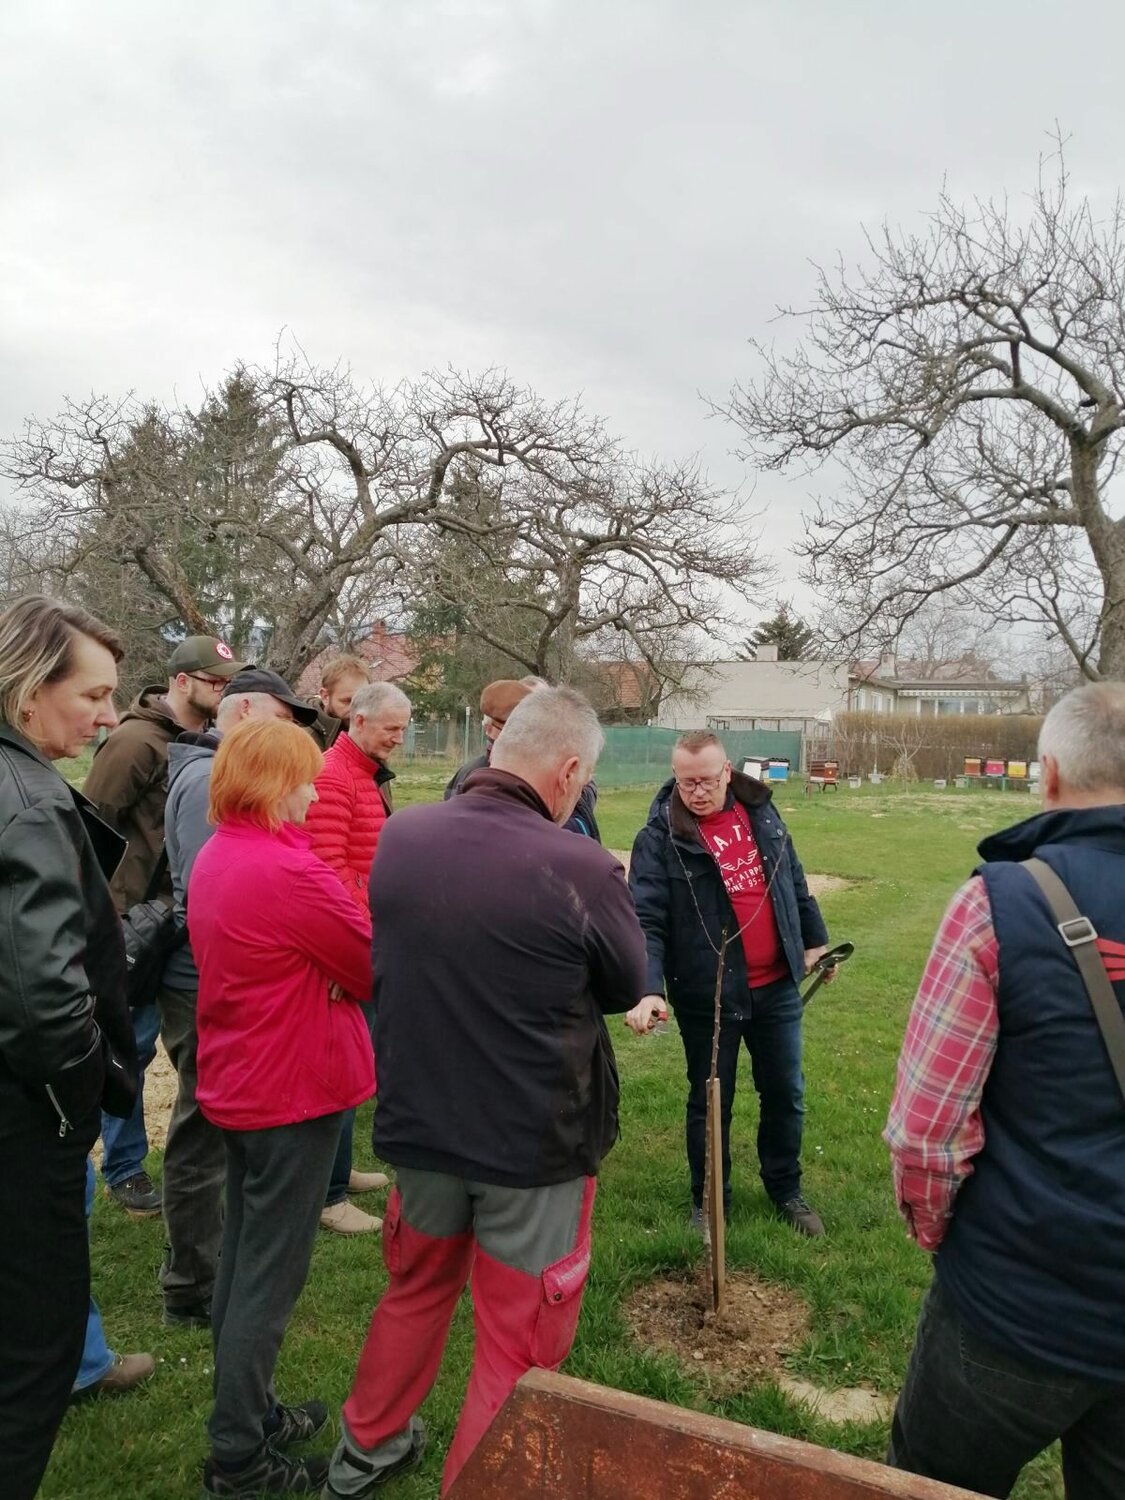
<point>390,655</point>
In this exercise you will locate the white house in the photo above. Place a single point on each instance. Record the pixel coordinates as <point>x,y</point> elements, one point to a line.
<point>764,694</point>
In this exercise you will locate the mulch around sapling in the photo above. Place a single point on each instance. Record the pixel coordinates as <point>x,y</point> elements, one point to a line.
<point>747,1343</point>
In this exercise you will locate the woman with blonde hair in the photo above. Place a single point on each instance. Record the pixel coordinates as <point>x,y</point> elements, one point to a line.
<point>284,959</point>
<point>66,1040</point>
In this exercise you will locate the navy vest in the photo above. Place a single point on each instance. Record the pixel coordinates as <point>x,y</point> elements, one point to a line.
<point>1034,1259</point>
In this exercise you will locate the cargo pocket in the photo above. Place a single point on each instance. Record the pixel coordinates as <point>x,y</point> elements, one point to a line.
<point>561,1287</point>
<point>392,1244</point>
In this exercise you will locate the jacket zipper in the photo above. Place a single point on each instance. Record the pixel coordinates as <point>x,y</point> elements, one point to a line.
<point>64,1123</point>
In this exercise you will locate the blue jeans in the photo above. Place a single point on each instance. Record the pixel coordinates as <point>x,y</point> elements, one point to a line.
<point>342,1163</point>
<point>97,1357</point>
<point>771,1028</point>
<point>973,1414</point>
<point>124,1142</point>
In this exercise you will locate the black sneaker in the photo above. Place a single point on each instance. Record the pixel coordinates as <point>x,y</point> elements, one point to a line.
<point>798,1212</point>
<point>267,1473</point>
<point>297,1424</point>
<point>137,1196</point>
<point>409,1460</point>
<point>187,1315</point>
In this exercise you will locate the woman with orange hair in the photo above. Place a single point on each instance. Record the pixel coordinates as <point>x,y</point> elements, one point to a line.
<point>284,955</point>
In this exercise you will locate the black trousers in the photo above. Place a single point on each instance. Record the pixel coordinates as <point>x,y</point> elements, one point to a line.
<point>44,1277</point>
<point>276,1182</point>
<point>195,1168</point>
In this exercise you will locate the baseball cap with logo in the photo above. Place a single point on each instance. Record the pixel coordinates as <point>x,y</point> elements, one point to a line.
<point>262,680</point>
<point>204,653</point>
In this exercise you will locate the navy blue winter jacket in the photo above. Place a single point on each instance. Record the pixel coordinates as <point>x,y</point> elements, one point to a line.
<point>669,861</point>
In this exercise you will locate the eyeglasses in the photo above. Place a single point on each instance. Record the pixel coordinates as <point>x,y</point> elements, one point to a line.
<point>212,682</point>
<point>701,783</point>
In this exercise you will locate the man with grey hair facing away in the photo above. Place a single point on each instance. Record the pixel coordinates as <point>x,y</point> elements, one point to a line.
<point>1007,1133</point>
<point>194,1157</point>
<point>500,942</point>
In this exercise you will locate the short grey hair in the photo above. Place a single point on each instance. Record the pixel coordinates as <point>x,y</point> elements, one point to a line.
<point>548,726</point>
<point>375,697</point>
<point>1085,734</point>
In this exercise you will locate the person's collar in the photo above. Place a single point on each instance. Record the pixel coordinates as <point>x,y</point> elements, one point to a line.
<point>488,782</point>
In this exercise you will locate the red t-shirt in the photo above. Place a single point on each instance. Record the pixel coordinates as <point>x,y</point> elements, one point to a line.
<point>730,840</point>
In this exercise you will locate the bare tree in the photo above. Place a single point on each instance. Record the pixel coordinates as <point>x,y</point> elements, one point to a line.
<point>968,384</point>
<point>290,521</point>
<point>644,551</point>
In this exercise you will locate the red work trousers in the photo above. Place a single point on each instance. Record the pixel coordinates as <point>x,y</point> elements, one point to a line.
<point>525,1309</point>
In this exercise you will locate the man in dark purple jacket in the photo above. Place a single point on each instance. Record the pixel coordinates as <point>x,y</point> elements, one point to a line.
<point>500,942</point>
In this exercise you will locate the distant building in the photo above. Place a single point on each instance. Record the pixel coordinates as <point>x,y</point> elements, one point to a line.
<point>768,695</point>
<point>963,686</point>
<point>390,655</point>
<point>763,695</point>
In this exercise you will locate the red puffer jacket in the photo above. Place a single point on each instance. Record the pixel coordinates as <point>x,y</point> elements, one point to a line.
<point>345,823</point>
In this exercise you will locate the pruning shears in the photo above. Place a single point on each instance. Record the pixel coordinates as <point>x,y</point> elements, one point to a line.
<point>825,965</point>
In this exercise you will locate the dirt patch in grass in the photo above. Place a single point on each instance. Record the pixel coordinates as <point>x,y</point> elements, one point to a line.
<point>160,1095</point>
<point>747,1343</point>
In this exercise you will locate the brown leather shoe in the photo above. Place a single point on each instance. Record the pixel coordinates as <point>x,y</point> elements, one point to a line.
<point>345,1218</point>
<point>367,1182</point>
<point>127,1372</point>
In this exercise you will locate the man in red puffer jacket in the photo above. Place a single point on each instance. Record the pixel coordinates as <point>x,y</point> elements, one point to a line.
<point>344,825</point>
<point>354,787</point>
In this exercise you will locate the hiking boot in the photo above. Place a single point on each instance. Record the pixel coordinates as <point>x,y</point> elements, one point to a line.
<point>137,1196</point>
<point>187,1315</point>
<point>267,1473</point>
<point>297,1424</point>
<point>126,1373</point>
<point>345,1218</point>
<point>367,1182</point>
<point>798,1212</point>
<point>346,1459</point>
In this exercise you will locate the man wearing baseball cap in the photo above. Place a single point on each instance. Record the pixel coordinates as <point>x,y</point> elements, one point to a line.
<point>128,783</point>
<point>496,703</point>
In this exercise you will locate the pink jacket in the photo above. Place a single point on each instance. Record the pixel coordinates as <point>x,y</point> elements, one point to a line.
<point>270,930</point>
<point>346,821</point>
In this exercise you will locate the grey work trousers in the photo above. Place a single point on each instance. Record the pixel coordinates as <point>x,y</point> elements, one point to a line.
<point>276,1182</point>
<point>195,1169</point>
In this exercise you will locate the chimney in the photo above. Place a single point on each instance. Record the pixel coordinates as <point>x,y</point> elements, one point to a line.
<point>888,664</point>
<point>766,653</point>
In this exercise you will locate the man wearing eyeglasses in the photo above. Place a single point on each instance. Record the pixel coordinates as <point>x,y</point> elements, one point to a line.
<point>128,783</point>
<point>716,861</point>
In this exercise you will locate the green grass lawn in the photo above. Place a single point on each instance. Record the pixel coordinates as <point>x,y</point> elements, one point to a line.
<point>906,851</point>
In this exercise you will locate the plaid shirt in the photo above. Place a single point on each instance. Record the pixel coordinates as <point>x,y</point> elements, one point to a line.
<point>935,1129</point>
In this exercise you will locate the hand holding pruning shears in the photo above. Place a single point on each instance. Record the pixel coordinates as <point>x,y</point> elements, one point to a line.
<point>647,1015</point>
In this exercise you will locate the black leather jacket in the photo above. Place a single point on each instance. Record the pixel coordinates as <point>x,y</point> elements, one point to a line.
<point>65,1026</point>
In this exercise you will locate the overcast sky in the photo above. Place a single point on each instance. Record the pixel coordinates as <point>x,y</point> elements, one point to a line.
<point>603,196</point>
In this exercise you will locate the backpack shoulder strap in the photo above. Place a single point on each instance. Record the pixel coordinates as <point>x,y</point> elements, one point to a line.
<point>1078,933</point>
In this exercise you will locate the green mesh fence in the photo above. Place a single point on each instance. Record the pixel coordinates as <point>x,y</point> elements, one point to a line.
<point>643,756</point>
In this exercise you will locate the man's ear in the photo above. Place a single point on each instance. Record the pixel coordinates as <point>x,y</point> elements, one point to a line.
<point>1049,780</point>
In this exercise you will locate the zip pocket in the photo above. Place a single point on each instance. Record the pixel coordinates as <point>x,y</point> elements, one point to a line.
<point>64,1123</point>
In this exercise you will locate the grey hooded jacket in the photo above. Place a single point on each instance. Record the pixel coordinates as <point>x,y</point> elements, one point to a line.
<point>186,830</point>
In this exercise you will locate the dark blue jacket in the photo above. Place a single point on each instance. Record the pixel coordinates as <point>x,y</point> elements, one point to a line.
<point>670,861</point>
<point>1034,1258</point>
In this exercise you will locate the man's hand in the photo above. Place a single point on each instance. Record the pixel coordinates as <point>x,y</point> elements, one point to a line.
<point>646,1013</point>
<point>811,956</point>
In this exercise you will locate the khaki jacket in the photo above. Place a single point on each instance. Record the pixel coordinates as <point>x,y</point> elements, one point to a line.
<point>128,784</point>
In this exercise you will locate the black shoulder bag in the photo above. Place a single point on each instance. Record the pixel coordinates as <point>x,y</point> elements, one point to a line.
<point>151,934</point>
